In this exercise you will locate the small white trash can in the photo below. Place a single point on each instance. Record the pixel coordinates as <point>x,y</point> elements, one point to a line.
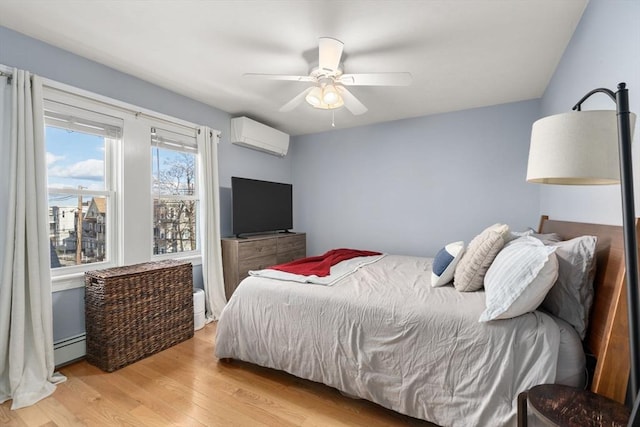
<point>198,309</point>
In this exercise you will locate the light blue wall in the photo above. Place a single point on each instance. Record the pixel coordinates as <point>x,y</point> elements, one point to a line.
<point>411,186</point>
<point>17,50</point>
<point>604,50</point>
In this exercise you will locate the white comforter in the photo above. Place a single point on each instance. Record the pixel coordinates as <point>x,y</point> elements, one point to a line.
<point>384,334</point>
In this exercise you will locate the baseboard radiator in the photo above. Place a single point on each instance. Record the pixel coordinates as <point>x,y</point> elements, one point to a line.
<point>69,349</point>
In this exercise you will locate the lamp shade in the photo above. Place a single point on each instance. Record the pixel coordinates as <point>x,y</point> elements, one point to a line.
<point>575,148</point>
<point>314,97</point>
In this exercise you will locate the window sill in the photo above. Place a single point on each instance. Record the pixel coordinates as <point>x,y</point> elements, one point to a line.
<point>76,280</point>
<point>66,282</point>
<point>193,258</point>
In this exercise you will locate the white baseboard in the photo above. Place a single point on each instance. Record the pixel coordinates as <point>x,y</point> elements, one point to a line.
<point>69,349</point>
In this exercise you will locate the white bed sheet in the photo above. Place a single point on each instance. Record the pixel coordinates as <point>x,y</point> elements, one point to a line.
<point>385,335</point>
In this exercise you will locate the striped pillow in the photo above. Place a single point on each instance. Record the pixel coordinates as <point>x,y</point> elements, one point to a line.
<point>519,279</point>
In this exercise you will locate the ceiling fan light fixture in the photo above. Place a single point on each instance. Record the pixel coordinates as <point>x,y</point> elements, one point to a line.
<point>330,95</point>
<point>314,97</point>
<point>325,106</point>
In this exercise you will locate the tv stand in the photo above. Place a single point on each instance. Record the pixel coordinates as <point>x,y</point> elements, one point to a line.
<point>241,254</point>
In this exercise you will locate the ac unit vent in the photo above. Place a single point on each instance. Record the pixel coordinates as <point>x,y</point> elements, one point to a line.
<point>251,134</point>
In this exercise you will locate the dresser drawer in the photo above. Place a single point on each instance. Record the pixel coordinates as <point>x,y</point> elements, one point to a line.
<point>295,243</point>
<point>290,256</point>
<point>257,248</point>
<point>244,265</point>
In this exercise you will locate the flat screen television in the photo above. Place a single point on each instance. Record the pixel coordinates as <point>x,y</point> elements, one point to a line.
<point>260,206</point>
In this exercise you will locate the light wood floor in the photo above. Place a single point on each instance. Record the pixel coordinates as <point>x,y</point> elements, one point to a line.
<point>187,386</point>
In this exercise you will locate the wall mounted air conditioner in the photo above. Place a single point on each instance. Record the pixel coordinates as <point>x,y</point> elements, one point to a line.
<point>251,134</point>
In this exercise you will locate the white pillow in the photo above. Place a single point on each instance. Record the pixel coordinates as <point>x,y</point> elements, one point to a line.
<point>444,263</point>
<point>519,278</point>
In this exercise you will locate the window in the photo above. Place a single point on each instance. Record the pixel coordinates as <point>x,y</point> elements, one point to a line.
<point>175,192</point>
<point>112,200</point>
<point>80,145</point>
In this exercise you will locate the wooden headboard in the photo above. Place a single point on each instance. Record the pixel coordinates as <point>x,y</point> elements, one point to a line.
<point>607,336</point>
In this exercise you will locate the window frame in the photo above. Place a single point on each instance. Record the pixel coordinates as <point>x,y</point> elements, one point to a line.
<point>56,107</point>
<point>183,140</point>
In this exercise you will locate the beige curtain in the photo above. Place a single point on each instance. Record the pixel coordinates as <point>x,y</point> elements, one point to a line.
<point>208,183</point>
<point>26,331</point>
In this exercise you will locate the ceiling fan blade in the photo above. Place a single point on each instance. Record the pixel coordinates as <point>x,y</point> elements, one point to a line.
<point>330,53</point>
<point>279,77</point>
<point>376,79</point>
<point>351,103</point>
<point>295,101</point>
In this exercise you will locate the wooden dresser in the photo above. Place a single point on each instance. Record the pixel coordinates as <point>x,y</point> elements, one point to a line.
<point>239,255</point>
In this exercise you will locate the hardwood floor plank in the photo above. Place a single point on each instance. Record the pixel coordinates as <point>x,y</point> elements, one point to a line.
<point>58,413</point>
<point>233,395</point>
<point>207,408</point>
<point>98,381</point>
<point>89,406</point>
<point>33,416</point>
<point>186,385</point>
<point>145,395</point>
<point>148,417</point>
<point>10,418</point>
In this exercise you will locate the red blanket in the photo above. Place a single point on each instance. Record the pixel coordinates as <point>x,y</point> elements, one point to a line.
<point>321,265</point>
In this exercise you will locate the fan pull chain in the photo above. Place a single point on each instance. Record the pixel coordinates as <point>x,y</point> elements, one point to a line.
<point>333,118</point>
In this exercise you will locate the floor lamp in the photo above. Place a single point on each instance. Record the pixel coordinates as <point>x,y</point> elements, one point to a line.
<point>578,148</point>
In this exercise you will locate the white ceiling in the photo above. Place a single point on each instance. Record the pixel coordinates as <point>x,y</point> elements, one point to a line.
<point>462,53</point>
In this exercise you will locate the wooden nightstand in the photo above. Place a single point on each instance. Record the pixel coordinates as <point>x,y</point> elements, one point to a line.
<point>564,406</point>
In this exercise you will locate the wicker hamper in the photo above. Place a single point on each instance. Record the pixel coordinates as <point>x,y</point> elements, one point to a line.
<point>135,311</point>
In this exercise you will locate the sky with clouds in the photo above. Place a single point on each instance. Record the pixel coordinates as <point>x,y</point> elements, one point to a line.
<point>74,159</point>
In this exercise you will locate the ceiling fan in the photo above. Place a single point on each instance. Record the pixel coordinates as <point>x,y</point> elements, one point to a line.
<point>328,81</point>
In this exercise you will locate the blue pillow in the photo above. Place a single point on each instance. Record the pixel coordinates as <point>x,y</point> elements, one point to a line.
<point>444,264</point>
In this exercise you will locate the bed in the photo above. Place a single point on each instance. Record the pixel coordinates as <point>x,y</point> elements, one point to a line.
<point>380,334</point>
